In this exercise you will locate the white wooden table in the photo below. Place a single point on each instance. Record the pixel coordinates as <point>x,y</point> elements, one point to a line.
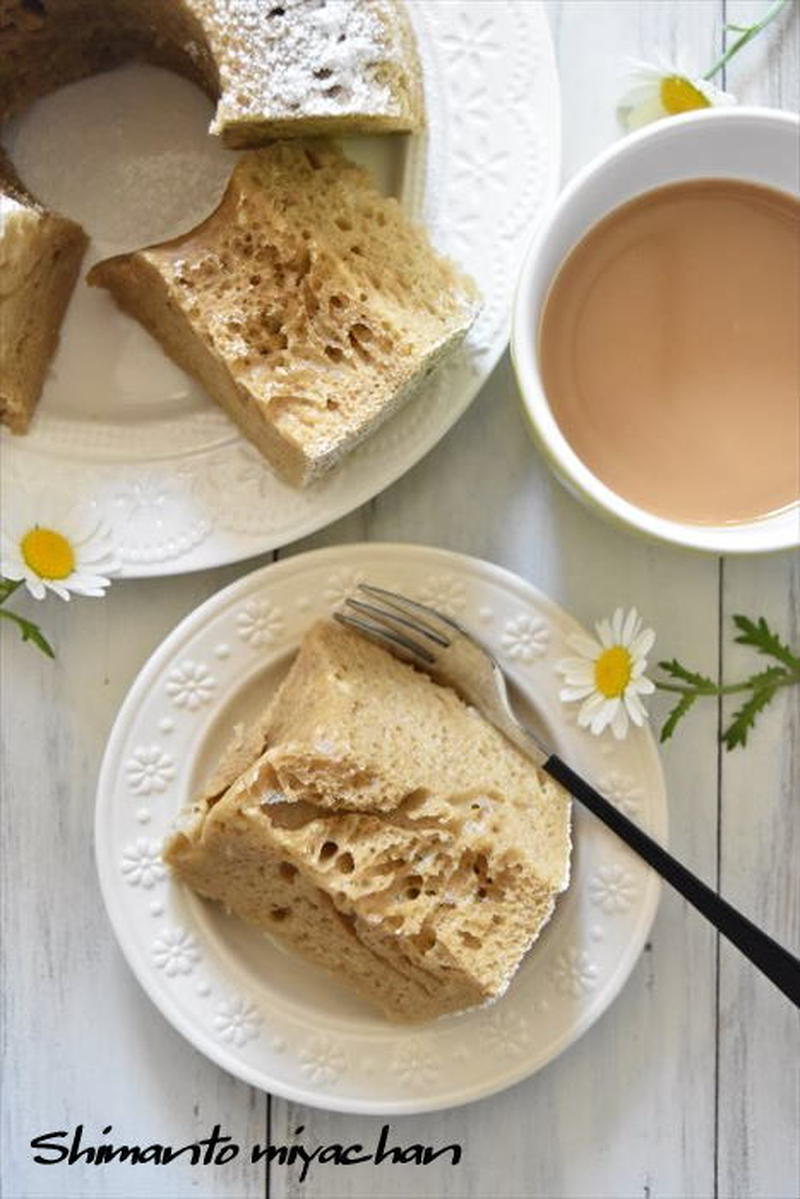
<point>689,1084</point>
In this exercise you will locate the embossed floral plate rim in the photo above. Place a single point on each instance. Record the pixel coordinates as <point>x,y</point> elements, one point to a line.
<point>187,492</point>
<point>292,1043</point>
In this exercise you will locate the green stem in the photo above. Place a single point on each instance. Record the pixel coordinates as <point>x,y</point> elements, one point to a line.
<point>727,688</point>
<point>8,587</point>
<point>749,33</point>
<point>29,631</point>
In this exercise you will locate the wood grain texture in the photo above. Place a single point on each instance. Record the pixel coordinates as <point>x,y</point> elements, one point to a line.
<point>759,1031</point>
<point>657,1099</point>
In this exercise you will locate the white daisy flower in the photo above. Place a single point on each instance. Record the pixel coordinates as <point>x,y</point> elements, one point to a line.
<point>663,89</point>
<point>52,545</point>
<point>608,677</point>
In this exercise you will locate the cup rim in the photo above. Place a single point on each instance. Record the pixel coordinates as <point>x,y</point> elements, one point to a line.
<point>745,537</point>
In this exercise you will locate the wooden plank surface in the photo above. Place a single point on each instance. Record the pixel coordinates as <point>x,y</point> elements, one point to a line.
<point>658,1099</point>
<point>759,838</point>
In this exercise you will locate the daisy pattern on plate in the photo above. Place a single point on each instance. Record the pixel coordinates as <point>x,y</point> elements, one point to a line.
<point>612,889</point>
<point>237,1021</point>
<point>190,685</point>
<point>175,952</point>
<point>623,792</point>
<point>445,593</point>
<point>607,679</point>
<point>508,1031</point>
<point>663,89</point>
<point>414,1064</point>
<point>525,638</point>
<point>149,769</point>
<point>574,973</point>
<point>322,1061</point>
<point>53,545</point>
<point>142,865</point>
<point>259,623</point>
<point>340,584</point>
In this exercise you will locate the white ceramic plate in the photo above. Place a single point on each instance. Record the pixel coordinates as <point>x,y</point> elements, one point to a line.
<point>273,1020</point>
<point>126,154</point>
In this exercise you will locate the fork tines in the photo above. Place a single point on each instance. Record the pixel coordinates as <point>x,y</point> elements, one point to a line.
<point>396,619</point>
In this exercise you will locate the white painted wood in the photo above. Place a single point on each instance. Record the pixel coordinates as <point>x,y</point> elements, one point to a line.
<point>631,1109</point>
<point>82,1043</point>
<point>759,1031</point>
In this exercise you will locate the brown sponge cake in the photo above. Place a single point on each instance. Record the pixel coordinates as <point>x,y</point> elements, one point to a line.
<point>384,831</point>
<point>40,255</point>
<point>307,305</point>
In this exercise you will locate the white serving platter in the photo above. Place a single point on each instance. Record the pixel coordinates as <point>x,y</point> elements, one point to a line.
<point>122,429</point>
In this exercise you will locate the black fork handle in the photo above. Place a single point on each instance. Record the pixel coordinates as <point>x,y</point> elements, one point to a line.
<point>780,966</point>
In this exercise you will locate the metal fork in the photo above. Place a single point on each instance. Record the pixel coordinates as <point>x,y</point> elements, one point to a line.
<point>439,645</point>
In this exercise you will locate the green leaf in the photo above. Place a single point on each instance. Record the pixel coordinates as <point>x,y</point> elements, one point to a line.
<point>30,632</point>
<point>676,671</point>
<point>745,717</point>
<point>678,712</point>
<point>762,638</point>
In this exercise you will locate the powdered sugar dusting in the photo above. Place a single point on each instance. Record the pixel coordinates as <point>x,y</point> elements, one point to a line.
<point>303,58</point>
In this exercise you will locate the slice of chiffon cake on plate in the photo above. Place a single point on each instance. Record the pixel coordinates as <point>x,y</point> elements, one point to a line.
<point>379,827</point>
<point>307,304</point>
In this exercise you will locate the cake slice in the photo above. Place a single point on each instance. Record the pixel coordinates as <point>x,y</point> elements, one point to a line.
<point>306,305</point>
<point>384,830</point>
<point>310,67</point>
<point>40,254</point>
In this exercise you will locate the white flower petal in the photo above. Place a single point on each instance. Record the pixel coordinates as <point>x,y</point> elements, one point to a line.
<point>570,694</point>
<point>587,647</point>
<point>605,634</point>
<point>36,588</point>
<point>605,716</point>
<point>630,627</point>
<point>642,643</point>
<point>635,707</point>
<point>641,686</point>
<point>619,722</point>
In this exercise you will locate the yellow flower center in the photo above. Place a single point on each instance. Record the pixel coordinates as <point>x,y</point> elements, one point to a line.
<point>48,553</point>
<point>679,95</point>
<point>612,671</point>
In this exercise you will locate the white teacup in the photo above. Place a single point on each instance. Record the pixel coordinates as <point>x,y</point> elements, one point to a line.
<point>759,145</point>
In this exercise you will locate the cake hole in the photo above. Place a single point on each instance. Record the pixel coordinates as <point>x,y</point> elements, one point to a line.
<point>344,224</point>
<point>278,11</point>
<point>287,871</point>
<point>424,940</point>
<point>334,353</point>
<point>332,405</point>
<point>280,913</point>
<point>468,939</point>
<point>332,91</point>
<point>497,920</point>
<point>346,863</point>
<point>362,331</point>
<point>255,280</point>
<point>328,850</point>
<point>413,893</point>
<point>323,73</point>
